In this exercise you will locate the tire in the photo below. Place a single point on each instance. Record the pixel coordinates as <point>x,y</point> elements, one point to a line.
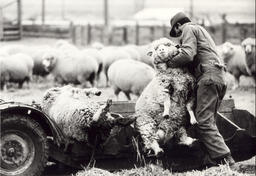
<point>24,147</point>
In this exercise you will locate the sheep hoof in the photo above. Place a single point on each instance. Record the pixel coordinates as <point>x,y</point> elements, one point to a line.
<point>188,141</point>
<point>193,121</point>
<point>166,116</point>
<point>160,153</point>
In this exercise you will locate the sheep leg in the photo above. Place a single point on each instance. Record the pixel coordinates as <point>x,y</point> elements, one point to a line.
<point>184,138</point>
<point>127,94</point>
<point>167,105</point>
<point>146,127</point>
<point>102,111</point>
<point>189,106</point>
<point>116,91</point>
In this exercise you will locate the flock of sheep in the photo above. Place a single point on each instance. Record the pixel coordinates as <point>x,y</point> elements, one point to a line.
<point>126,69</point>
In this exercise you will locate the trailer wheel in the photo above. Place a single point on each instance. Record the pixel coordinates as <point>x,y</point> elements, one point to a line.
<point>24,147</point>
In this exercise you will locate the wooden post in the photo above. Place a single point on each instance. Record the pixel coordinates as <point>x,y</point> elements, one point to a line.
<point>224,28</point>
<point>89,33</point>
<point>43,12</point>
<point>137,34</point>
<point>106,12</point>
<point>83,35</point>
<point>125,34</point>
<point>73,34</point>
<point>191,6</point>
<point>1,25</point>
<point>102,34</point>
<point>19,17</point>
<point>164,30</point>
<point>152,33</point>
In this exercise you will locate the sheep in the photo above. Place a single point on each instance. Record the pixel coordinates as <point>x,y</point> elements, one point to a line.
<point>37,56</point>
<point>94,53</point>
<point>66,47</point>
<point>112,54</point>
<point>129,76</point>
<point>66,69</point>
<point>134,53</point>
<point>249,47</point>
<point>143,51</point>
<point>155,126</point>
<point>235,59</point>
<point>230,81</point>
<point>35,52</point>
<point>74,111</point>
<point>15,68</point>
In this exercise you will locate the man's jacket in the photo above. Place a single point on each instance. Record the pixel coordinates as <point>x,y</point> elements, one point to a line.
<point>198,52</point>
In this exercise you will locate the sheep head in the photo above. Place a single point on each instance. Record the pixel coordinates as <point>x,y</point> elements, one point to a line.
<point>101,113</point>
<point>248,44</point>
<point>92,91</point>
<point>49,60</point>
<point>163,48</point>
<point>227,50</point>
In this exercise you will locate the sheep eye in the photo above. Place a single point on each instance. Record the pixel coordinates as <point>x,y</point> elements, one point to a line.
<point>163,80</point>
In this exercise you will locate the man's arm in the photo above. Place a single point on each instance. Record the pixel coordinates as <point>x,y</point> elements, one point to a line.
<point>188,49</point>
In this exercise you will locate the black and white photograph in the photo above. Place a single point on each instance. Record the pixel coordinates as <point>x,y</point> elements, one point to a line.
<point>127,88</point>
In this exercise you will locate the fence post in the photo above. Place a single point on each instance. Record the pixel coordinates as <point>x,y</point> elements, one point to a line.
<point>125,34</point>
<point>1,25</point>
<point>152,33</point>
<point>164,30</point>
<point>73,33</point>
<point>137,34</point>
<point>102,33</point>
<point>19,18</point>
<point>224,28</point>
<point>82,35</point>
<point>89,33</point>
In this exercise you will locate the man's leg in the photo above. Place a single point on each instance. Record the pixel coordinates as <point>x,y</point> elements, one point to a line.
<point>208,98</point>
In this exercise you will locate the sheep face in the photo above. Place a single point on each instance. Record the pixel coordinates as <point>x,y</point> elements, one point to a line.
<point>228,49</point>
<point>78,93</point>
<point>162,51</point>
<point>248,45</point>
<point>49,61</point>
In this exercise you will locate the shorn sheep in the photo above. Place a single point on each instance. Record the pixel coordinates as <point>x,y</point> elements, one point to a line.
<point>74,111</point>
<point>16,68</point>
<point>170,91</point>
<point>129,76</point>
<point>76,69</point>
<point>249,46</point>
<point>235,59</point>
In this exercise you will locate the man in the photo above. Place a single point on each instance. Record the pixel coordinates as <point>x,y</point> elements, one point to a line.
<point>198,52</point>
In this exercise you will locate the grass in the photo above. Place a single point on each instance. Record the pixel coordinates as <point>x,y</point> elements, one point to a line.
<point>154,170</point>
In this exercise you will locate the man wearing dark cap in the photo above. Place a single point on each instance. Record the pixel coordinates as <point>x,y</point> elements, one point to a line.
<point>198,52</point>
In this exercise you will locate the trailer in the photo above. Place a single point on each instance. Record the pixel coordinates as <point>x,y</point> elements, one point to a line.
<point>30,138</point>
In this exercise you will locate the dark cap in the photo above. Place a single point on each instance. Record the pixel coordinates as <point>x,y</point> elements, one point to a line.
<point>179,17</point>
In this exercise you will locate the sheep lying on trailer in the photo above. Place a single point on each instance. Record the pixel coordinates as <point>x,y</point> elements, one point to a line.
<point>76,112</point>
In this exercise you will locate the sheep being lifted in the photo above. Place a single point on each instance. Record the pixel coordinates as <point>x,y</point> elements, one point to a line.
<point>74,111</point>
<point>170,92</point>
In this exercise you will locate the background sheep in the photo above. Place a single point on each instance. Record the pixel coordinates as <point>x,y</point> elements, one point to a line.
<point>129,76</point>
<point>15,68</point>
<point>112,54</point>
<point>235,59</point>
<point>134,53</point>
<point>73,110</point>
<point>78,69</point>
<point>96,54</point>
<point>249,48</point>
<point>150,122</point>
<point>143,51</point>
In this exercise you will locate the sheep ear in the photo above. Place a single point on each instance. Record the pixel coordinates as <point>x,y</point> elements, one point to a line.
<point>150,53</point>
